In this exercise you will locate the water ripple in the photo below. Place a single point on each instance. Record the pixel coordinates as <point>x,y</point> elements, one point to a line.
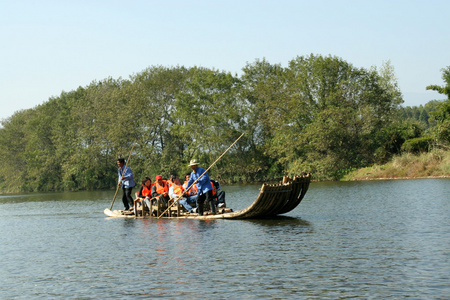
<point>386,239</point>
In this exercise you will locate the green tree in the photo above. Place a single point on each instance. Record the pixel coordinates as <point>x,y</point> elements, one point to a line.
<point>13,143</point>
<point>424,117</point>
<point>207,117</point>
<point>320,114</point>
<point>334,113</point>
<point>442,113</point>
<point>155,93</point>
<point>445,89</point>
<point>266,102</point>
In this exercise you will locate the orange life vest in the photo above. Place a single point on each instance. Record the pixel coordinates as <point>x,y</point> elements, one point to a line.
<point>214,189</point>
<point>146,191</point>
<point>161,189</point>
<point>178,189</point>
<point>192,191</point>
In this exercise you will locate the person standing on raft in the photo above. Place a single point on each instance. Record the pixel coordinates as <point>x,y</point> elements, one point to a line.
<point>204,187</point>
<point>126,179</point>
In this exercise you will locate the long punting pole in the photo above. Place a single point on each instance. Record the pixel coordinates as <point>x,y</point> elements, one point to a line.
<point>187,189</point>
<point>123,170</point>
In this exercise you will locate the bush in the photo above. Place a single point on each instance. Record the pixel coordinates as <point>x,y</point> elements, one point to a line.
<point>417,145</point>
<point>443,132</point>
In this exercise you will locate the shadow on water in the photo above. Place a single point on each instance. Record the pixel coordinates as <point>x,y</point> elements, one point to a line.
<point>279,224</point>
<point>208,224</point>
<point>279,221</point>
<point>275,222</point>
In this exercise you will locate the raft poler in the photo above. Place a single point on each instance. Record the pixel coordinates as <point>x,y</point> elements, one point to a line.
<point>126,180</point>
<point>204,187</point>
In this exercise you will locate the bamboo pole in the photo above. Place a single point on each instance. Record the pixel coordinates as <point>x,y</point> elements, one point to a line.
<point>188,188</point>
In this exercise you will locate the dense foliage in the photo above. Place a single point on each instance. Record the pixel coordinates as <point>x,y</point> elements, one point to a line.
<point>319,114</point>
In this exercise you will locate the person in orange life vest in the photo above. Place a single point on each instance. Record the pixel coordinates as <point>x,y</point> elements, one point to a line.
<point>176,191</point>
<point>145,193</point>
<point>170,181</point>
<point>219,196</point>
<point>204,187</point>
<point>146,188</point>
<point>160,189</point>
<point>214,192</point>
<point>192,193</point>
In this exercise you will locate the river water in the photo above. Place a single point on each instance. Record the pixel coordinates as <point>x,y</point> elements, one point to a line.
<point>367,240</point>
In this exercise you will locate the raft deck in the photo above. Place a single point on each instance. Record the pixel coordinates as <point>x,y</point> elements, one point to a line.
<point>273,199</point>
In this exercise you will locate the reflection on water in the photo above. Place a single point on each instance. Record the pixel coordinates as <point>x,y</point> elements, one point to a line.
<point>384,239</point>
<point>280,221</point>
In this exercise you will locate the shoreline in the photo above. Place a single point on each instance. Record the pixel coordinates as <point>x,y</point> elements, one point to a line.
<point>368,178</point>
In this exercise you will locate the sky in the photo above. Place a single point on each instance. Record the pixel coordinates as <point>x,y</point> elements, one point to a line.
<point>51,46</point>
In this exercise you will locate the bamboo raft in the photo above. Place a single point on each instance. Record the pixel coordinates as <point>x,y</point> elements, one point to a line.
<point>273,200</point>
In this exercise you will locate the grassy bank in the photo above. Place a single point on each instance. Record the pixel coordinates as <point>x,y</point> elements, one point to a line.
<point>432,164</point>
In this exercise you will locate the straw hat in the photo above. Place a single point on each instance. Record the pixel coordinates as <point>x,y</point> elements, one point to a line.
<point>193,163</point>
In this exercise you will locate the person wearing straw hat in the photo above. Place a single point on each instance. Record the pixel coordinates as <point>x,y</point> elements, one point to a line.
<point>204,187</point>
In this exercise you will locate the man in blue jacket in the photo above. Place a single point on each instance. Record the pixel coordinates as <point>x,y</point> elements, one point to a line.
<point>204,187</point>
<point>126,179</point>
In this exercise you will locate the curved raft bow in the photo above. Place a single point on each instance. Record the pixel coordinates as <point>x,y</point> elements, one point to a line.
<point>273,199</point>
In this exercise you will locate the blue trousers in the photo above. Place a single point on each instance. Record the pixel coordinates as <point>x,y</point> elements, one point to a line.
<point>186,202</point>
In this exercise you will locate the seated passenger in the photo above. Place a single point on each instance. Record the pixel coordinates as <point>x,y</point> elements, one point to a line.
<point>170,180</point>
<point>219,196</point>
<point>160,189</point>
<point>192,193</point>
<point>221,199</point>
<point>145,193</point>
<point>176,191</point>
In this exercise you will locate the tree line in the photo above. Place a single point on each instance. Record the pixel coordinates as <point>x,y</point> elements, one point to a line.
<point>320,114</point>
